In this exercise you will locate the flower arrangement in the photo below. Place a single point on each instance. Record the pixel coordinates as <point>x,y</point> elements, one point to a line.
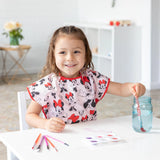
<point>14,31</point>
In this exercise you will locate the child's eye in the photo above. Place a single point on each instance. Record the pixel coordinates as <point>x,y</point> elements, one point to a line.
<point>76,51</point>
<point>63,52</point>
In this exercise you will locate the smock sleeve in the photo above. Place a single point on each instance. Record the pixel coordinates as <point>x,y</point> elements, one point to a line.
<point>39,90</point>
<point>101,84</point>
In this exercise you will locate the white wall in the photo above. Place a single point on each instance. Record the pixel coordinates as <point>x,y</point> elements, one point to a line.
<point>155,41</point>
<point>39,19</point>
<point>141,12</point>
<point>93,10</point>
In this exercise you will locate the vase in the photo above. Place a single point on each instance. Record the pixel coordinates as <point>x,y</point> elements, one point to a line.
<point>14,41</point>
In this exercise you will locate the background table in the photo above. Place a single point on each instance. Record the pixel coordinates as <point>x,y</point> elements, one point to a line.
<point>6,51</point>
<point>139,146</point>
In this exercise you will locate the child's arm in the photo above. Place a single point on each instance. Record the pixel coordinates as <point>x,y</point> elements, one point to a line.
<point>126,89</point>
<point>33,119</point>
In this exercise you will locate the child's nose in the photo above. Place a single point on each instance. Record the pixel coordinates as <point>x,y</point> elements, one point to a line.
<point>70,56</point>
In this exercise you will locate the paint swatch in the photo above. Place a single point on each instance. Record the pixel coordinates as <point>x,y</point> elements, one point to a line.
<point>105,138</point>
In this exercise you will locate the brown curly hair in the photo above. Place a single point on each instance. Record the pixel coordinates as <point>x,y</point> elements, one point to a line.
<point>50,65</point>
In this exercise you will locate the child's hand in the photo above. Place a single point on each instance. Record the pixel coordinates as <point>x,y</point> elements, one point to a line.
<point>137,89</point>
<point>54,125</point>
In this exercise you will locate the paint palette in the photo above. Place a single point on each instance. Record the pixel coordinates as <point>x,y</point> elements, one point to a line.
<point>99,139</point>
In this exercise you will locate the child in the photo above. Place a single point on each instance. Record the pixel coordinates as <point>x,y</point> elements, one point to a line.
<point>71,89</point>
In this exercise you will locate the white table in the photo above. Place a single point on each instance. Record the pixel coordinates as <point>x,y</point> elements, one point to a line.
<point>139,146</point>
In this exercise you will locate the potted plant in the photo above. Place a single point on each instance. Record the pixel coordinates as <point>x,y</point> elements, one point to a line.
<point>14,31</point>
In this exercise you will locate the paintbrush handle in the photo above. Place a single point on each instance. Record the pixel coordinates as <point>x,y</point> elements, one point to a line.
<point>36,141</point>
<point>41,140</point>
<point>52,144</point>
<point>138,106</point>
<point>58,140</point>
<point>46,142</point>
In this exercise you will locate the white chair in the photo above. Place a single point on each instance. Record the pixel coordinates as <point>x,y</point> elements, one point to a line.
<point>23,96</point>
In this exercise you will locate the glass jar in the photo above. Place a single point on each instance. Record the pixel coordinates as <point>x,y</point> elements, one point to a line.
<point>142,122</point>
<point>14,41</point>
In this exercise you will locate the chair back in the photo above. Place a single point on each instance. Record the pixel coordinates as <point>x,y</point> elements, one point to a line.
<point>23,96</point>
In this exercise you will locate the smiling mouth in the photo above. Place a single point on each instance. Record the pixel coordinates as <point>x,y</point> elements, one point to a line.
<point>70,65</point>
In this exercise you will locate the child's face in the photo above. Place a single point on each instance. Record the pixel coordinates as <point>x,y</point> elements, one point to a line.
<point>69,56</point>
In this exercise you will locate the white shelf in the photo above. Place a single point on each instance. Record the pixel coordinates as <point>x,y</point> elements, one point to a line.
<point>119,50</point>
<point>102,56</point>
<point>93,25</point>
